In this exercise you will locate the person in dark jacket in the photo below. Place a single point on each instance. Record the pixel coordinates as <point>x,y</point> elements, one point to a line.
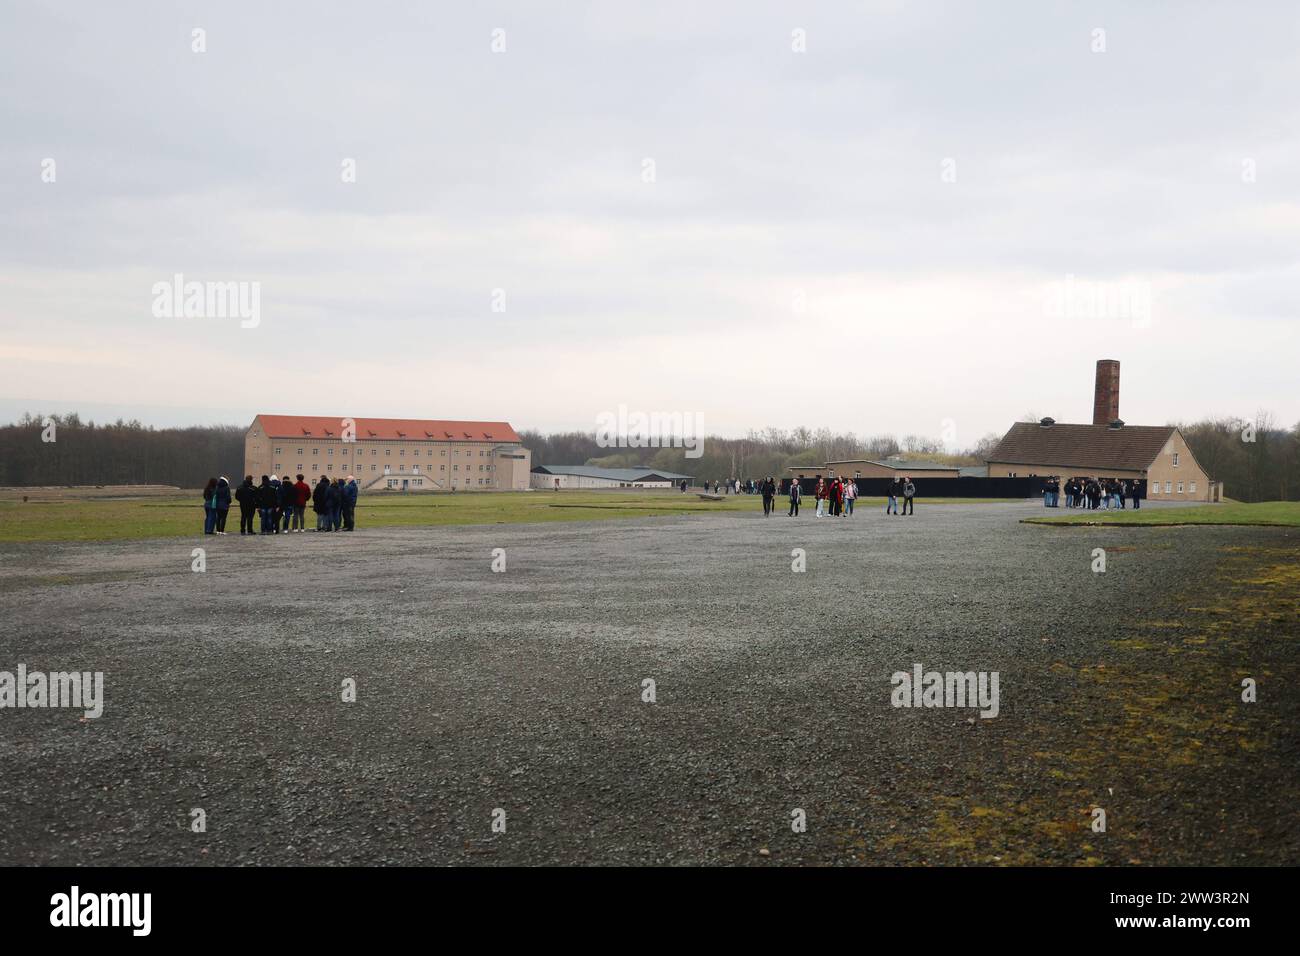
<point>796,496</point>
<point>320,503</point>
<point>350,504</point>
<point>210,506</point>
<point>284,505</point>
<point>266,497</point>
<point>223,503</point>
<point>246,495</point>
<point>909,493</point>
<point>1135,493</point>
<point>334,504</point>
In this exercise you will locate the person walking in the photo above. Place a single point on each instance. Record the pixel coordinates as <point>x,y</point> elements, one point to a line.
<point>210,506</point>
<point>320,503</point>
<point>769,494</point>
<point>350,504</point>
<point>796,495</point>
<point>909,493</point>
<point>246,495</point>
<point>223,503</point>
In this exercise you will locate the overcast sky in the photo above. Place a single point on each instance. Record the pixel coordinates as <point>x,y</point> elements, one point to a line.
<point>871,234</point>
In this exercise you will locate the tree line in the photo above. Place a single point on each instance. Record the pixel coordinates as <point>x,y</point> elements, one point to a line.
<point>1256,460</point>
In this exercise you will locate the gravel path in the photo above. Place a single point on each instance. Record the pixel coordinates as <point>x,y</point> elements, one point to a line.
<point>523,691</point>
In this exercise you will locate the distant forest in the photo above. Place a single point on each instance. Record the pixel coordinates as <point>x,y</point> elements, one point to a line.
<point>1256,461</point>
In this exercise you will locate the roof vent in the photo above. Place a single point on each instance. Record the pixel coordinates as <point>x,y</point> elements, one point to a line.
<point>1117,423</point>
<point>1047,422</point>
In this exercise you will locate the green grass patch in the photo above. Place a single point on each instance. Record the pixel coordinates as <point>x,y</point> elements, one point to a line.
<point>177,516</point>
<point>1285,514</point>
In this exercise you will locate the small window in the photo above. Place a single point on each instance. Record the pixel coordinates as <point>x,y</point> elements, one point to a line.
<point>315,451</point>
<point>1169,487</point>
<point>315,467</point>
<point>1175,459</point>
<point>300,451</point>
<point>331,451</point>
<point>1192,487</point>
<point>277,451</point>
<point>1180,487</point>
<point>1155,489</point>
<point>388,452</point>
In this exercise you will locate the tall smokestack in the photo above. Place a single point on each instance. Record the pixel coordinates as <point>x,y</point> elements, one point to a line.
<point>1105,400</point>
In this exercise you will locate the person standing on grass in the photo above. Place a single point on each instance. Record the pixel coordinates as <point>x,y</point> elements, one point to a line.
<point>223,503</point>
<point>334,499</point>
<point>301,495</point>
<point>287,497</point>
<point>1135,494</point>
<point>246,495</point>
<point>891,505</point>
<point>210,506</point>
<point>265,505</point>
<point>796,495</point>
<point>320,503</point>
<point>909,493</point>
<point>350,504</point>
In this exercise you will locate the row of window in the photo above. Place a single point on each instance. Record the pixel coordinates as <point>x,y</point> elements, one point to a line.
<point>388,452</point>
<point>315,467</point>
<point>419,482</point>
<point>1169,485</point>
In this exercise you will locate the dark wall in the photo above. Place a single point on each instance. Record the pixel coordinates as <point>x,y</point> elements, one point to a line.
<point>943,487</point>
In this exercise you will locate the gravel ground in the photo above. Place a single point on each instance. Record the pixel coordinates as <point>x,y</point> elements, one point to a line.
<point>522,691</point>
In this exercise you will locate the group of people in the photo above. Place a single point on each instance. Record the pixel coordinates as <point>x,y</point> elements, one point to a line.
<point>1092,493</point>
<point>835,496</point>
<point>281,505</point>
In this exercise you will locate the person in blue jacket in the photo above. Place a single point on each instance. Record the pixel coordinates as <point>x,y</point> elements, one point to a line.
<point>334,499</point>
<point>223,503</point>
<point>350,504</point>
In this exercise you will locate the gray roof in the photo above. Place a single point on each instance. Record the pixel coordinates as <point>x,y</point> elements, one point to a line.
<point>898,464</point>
<point>610,474</point>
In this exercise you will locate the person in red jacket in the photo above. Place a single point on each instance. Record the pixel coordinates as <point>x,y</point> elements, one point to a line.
<point>302,495</point>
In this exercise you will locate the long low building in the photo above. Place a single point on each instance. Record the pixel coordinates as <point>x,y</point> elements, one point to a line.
<point>868,468</point>
<point>401,454</point>
<point>552,477</point>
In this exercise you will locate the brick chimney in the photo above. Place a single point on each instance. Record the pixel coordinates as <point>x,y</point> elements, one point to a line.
<point>1105,400</point>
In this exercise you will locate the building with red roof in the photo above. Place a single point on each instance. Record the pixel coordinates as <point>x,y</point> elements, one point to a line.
<point>401,454</point>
